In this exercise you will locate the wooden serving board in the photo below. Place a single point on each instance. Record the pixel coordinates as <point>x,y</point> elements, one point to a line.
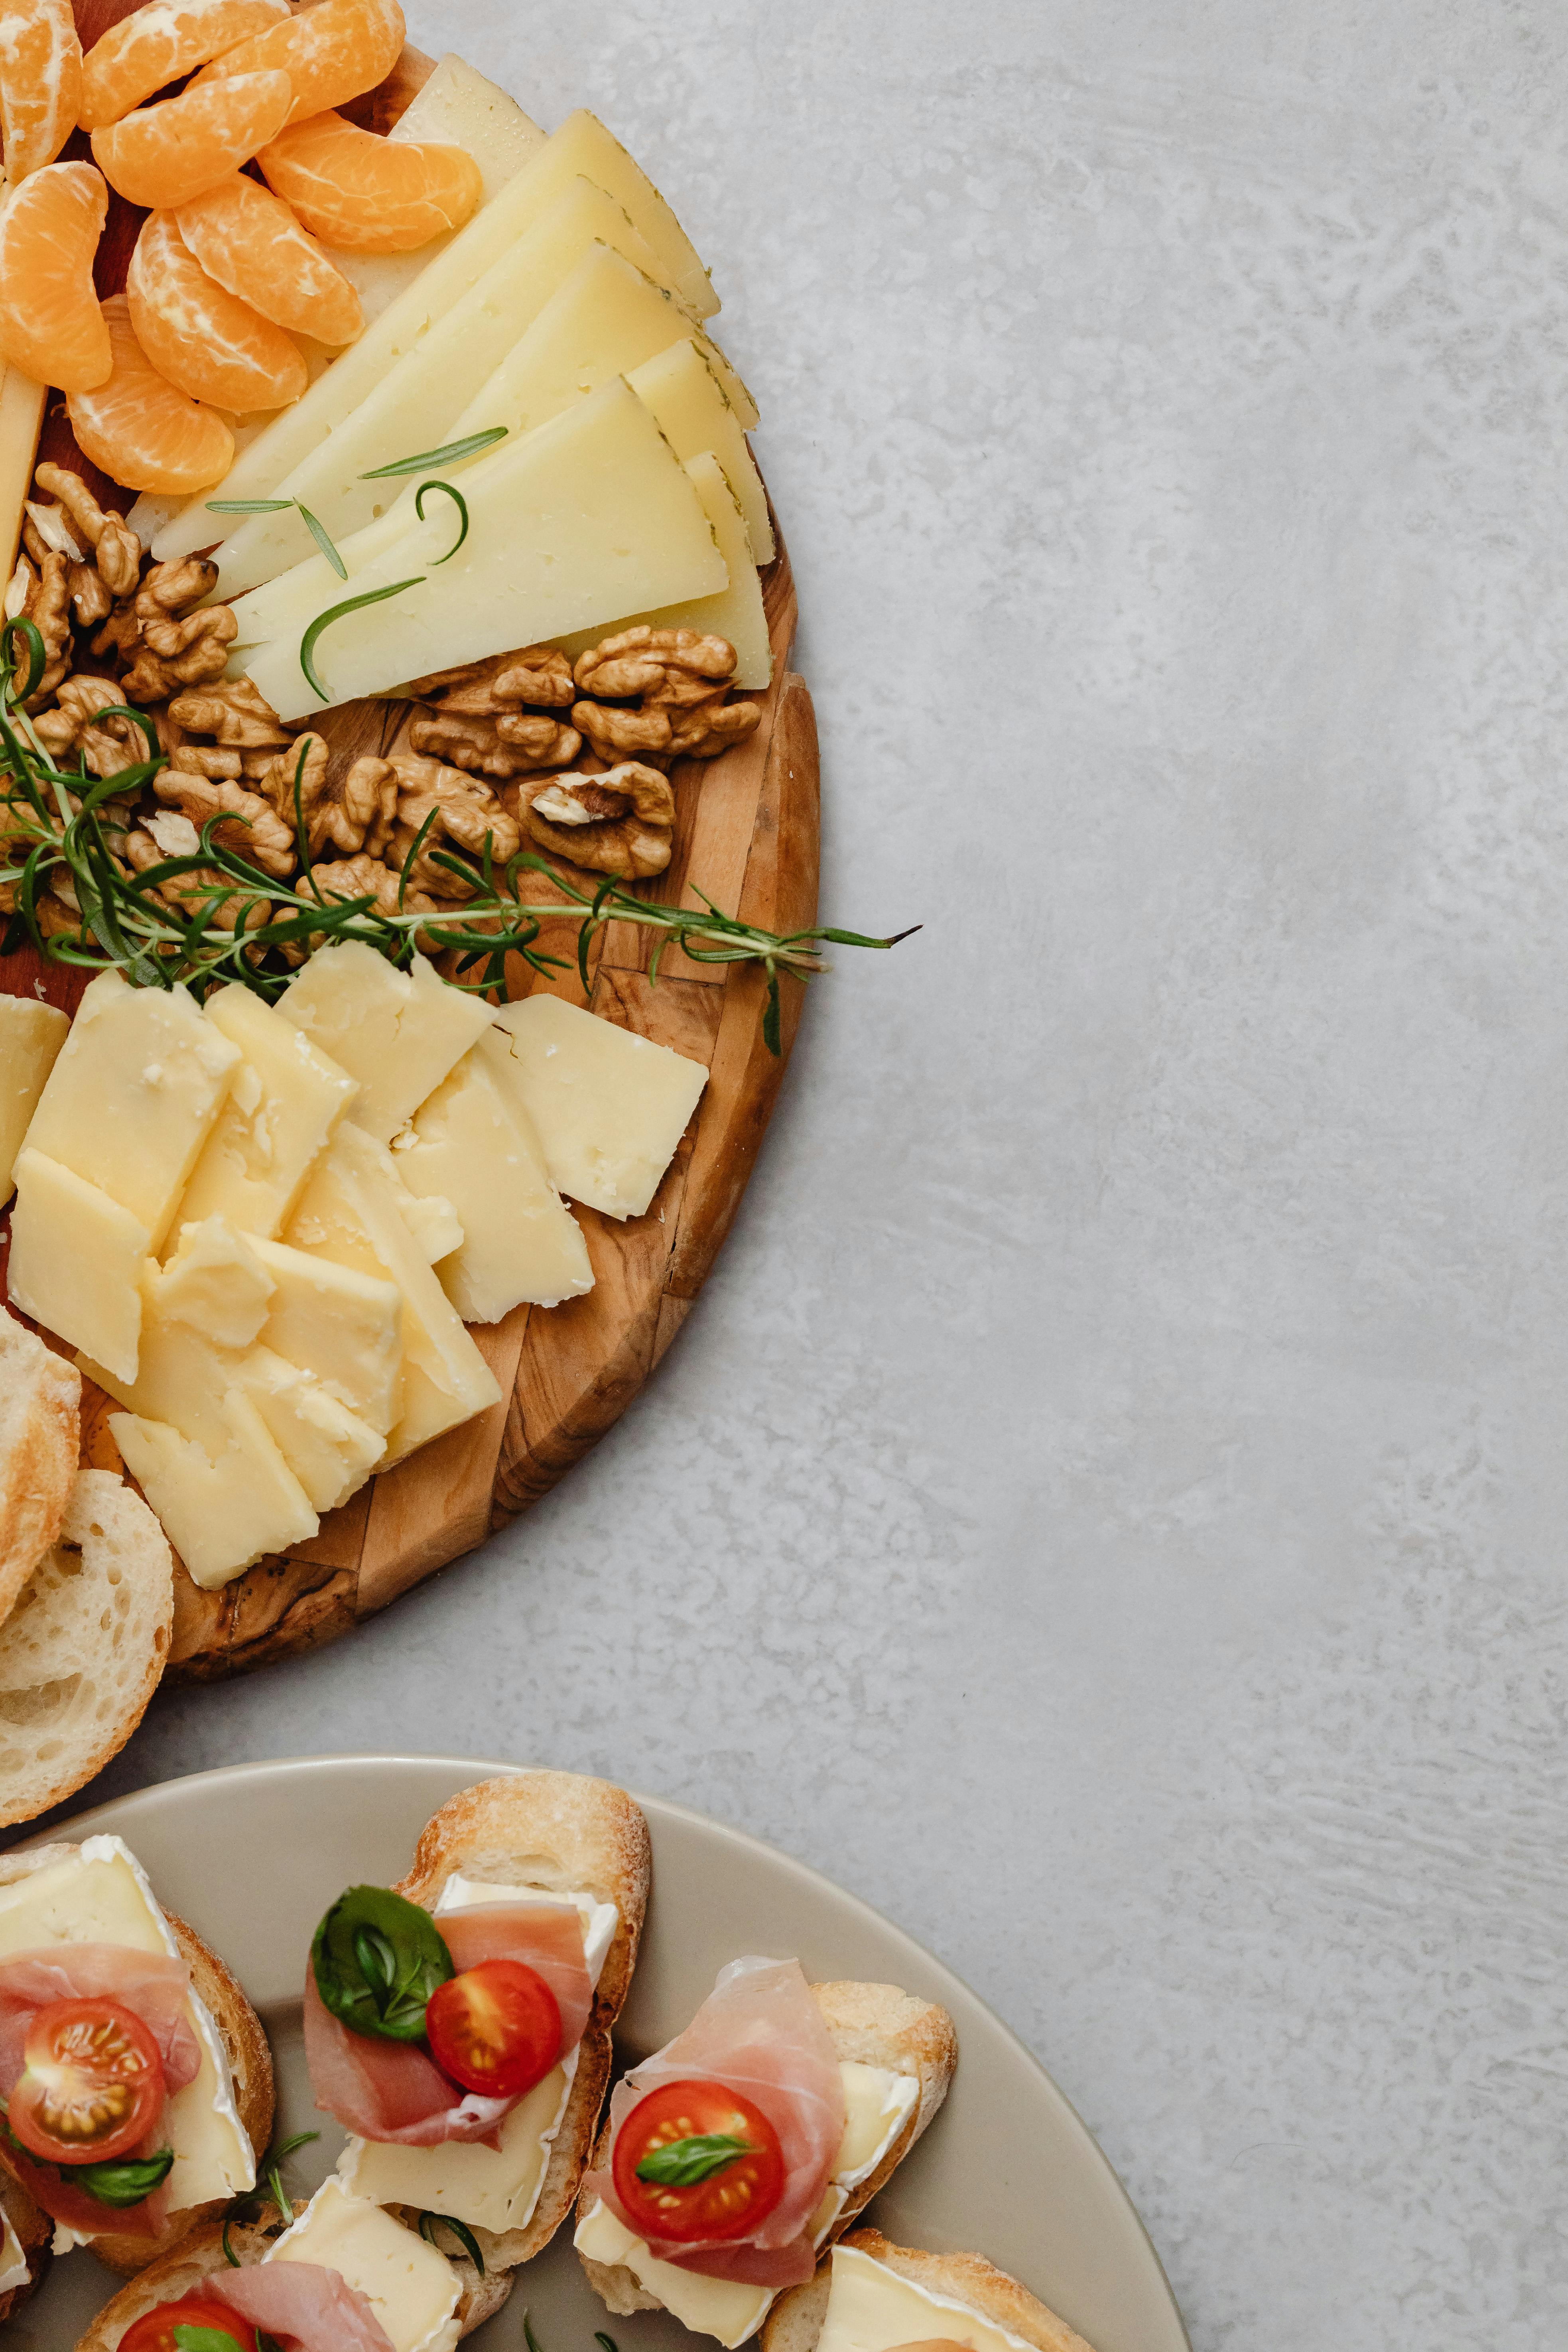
<point>746,835</point>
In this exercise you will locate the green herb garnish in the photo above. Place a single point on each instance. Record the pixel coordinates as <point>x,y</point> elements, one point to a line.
<point>248,506</point>
<point>459,500</point>
<point>377,1958</point>
<point>430,2223</point>
<point>124,2181</point>
<point>335,613</point>
<point>319,532</point>
<point>686,2163</point>
<point>205,2339</point>
<point>447,455</point>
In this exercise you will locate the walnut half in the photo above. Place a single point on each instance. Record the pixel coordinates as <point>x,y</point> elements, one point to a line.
<point>465,815</point>
<point>661,692</point>
<point>620,822</point>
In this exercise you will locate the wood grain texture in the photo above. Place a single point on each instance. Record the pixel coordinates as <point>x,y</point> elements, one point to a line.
<point>746,836</point>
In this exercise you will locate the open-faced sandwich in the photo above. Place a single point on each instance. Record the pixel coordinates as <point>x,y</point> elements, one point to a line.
<point>136,2078</point>
<point>870,2296</point>
<point>733,2154</point>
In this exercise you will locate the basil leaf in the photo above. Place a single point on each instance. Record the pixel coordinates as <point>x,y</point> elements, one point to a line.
<point>683,2163</point>
<point>376,1961</point>
<point>205,2339</point>
<point>123,2181</point>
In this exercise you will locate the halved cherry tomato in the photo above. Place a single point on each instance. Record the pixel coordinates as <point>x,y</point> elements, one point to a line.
<point>92,2084</point>
<point>154,2331</point>
<point>495,2027</point>
<point>734,2198</point>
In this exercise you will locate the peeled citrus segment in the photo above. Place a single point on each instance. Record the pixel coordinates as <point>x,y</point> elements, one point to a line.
<point>50,327</point>
<point>330,53</point>
<point>146,51</point>
<point>40,82</point>
<point>144,433</point>
<point>367,195</point>
<point>203,338</point>
<point>247,239</point>
<point>163,155</point>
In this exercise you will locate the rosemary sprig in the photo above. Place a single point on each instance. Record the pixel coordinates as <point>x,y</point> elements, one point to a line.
<point>459,500</point>
<point>335,613</point>
<point>447,454</point>
<point>317,529</point>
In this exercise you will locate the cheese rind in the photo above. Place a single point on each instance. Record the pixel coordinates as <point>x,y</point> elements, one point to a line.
<point>609,1108</point>
<point>413,2290</point>
<point>396,1032</point>
<point>283,1107</point>
<point>473,1147</point>
<point>694,412</point>
<point>78,1261</point>
<point>220,1515</point>
<point>871,2309</point>
<point>134,1093</point>
<point>31,1035</point>
<point>341,1324</point>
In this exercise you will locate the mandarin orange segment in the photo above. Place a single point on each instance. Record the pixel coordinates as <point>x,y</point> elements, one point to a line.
<point>203,338</point>
<point>367,195</point>
<point>146,51</point>
<point>163,155</point>
<point>40,82</point>
<point>247,239</point>
<point>330,53</point>
<point>50,327</point>
<point>144,433</point>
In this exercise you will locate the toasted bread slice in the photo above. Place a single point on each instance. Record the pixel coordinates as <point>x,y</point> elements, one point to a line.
<point>568,1834</point>
<point>795,2322</point>
<point>249,2058</point>
<point>40,1419</point>
<point>82,1651</point>
<point>33,2232</point>
<point>875,2025</point>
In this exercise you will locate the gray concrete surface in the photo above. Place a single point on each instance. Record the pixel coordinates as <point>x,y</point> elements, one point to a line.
<point>1108,1506</point>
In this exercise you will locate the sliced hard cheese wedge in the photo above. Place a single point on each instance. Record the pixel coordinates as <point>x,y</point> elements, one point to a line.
<point>472,1147</point>
<point>214,1283</point>
<point>396,1032</point>
<point>330,1450</point>
<point>136,1090</point>
<point>417,404</point>
<point>78,1260</point>
<point>350,1214</point>
<point>736,612</point>
<point>21,420</point>
<point>589,518</point>
<point>582,148</point>
<point>413,2290</point>
<point>31,1035</point>
<point>694,413</point>
<point>284,1105</point>
<point>609,1108</point>
<point>340,1324</point>
<point>221,1514</point>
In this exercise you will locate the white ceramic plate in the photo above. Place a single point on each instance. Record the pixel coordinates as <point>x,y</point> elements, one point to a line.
<point>252,1857</point>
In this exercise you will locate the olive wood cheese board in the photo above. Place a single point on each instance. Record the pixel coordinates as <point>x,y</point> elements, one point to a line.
<point>747,836</point>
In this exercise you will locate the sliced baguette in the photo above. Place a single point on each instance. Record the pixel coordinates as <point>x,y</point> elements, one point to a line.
<point>875,2025</point>
<point>565,1832</point>
<point>249,2058</point>
<point>82,1651</point>
<point>40,1418</point>
<point>35,2235</point>
<point>201,2256</point>
<point>795,2320</point>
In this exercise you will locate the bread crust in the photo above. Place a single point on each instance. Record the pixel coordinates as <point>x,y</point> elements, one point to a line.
<point>249,2058</point>
<point>794,2322</point>
<point>40,1420</point>
<point>871,2025</point>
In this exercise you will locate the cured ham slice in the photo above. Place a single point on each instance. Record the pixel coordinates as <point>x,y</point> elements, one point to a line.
<point>306,2307</point>
<point>759,2033</point>
<point>89,2216</point>
<point>393,2090</point>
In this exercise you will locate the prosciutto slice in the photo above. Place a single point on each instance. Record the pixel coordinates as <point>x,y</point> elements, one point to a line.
<point>393,2090</point>
<point>306,2307</point>
<point>761,2034</point>
<point>154,1987</point>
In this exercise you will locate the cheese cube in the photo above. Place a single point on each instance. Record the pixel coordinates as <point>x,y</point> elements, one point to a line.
<point>397,1033</point>
<point>694,412</point>
<point>476,1148</point>
<point>411,2287</point>
<point>220,1515</point>
<point>609,1108</point>
<point>283,1107</point>
<point>330,1450</point>
<point>133,1096</point>
<point>31,1035</point>
<point>214,1283</point>
<point>78,1260</point>
<point>340,1325</point>
<point>350,1214</point>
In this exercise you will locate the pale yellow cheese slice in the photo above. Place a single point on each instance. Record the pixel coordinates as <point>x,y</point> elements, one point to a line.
<point>21,420</point>
<point>609,1108</point>
<point>78,1261</point>
<point>283,1107</point>
<point>31,1035</point>
<point>396,1032</point>
<point>694,413</point>
<point>214,1283</point>
<point>341,1324</point>
<point>488,2187</point>
<point>220,1515</point>
<point>474,1149</point>
<point>413,2290</point>
<point>330,1450</point>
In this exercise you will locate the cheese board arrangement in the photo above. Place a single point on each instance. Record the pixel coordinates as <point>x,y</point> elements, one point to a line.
<point>408,836</point>
<point>497,2053</point>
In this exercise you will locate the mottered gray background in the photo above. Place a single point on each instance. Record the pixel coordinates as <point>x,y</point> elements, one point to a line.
<point>1108,1506</point>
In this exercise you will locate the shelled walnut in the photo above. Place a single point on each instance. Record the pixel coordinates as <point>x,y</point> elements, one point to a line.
<point>41,594</point>
<point>659,693</point>
<point>516,744</point>
<point>620,822</point>
<point>252,829</point>
<point>534,678</point>
<point>234,714</point>
<point>464,812</point>
<point>71,727</point>
<point>166,832</point>
<point>352,811</point>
